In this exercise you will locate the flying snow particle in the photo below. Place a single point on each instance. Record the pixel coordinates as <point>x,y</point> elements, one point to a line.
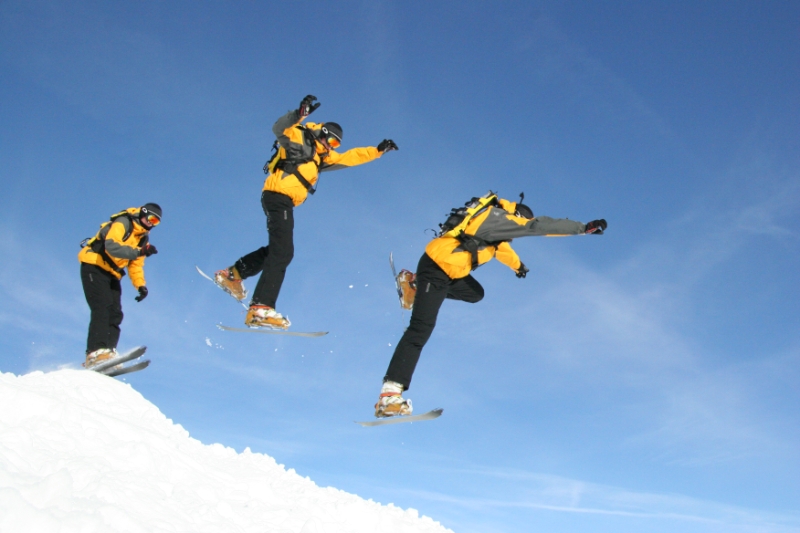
<point>208,342</point>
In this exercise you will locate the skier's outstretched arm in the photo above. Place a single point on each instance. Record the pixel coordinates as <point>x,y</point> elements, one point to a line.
<point>554,227</point>
<point>500,226</point>
<point>289,137</point>
<point>350,158</point>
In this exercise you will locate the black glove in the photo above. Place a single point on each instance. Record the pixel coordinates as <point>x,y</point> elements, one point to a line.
<point>522,271</point>
<point>147,250</point>
<point>142,294</point>
<point>596,227</point>
<point>387,145</point>
<point>307,106</point>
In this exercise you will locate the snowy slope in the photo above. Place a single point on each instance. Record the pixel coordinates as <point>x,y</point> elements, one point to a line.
<point>81,452</point>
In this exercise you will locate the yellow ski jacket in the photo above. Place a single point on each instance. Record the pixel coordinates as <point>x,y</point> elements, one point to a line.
<point>495,228</point>
<point>296,145</point>
<point>123,252</point>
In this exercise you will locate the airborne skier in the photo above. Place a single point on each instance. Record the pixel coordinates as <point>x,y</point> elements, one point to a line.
<point>122,242</point>
<point>305,151</point>
<point>483,232</point>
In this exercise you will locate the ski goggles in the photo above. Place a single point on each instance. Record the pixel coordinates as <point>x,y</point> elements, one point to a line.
<point>151,218</point>
<point>331,139</point>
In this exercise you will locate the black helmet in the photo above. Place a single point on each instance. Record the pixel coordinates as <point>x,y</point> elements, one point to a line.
<point>150,215</point>
<point>149,208</point>
<point>330,131</point>
<point>523,211</point>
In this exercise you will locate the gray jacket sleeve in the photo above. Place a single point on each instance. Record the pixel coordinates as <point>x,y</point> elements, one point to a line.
<point>500,226</point>
<point>115,249</point>
<point>293,150</point>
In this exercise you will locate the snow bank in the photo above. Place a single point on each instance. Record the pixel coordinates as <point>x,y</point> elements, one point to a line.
<point>81,452</point>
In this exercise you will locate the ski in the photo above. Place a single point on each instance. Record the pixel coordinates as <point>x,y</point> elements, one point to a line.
<point>127,369</point>
<point>274,331</point>
<point>124,358</point>
<point>404,274</point>
<point>430,415</point>
<point>209,278</point>
<point>396,283</point>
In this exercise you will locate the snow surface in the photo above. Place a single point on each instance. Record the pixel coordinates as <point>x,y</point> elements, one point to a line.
<point>81,452</point>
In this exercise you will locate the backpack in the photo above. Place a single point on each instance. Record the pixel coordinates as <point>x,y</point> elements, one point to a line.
<point>460,217</point>
<point>98,243</point>
<point>279,161</point>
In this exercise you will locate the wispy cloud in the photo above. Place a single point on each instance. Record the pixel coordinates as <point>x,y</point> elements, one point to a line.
<point>544,492</point>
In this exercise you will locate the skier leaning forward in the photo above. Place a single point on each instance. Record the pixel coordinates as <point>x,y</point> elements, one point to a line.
<point>444,272</point>
<point>121,243</point>
<point>305,151</point>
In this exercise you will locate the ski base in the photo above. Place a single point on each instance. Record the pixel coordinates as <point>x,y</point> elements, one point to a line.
<point>209,278</point>
<point>430,415</point>
<point>128,369</point>
<point>274,331</point>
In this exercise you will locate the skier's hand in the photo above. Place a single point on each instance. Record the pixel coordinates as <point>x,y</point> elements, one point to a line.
<point>147,250</point>
<point>522,271</point>
<point>142,294</point>
<point>307,106</point>
<point>596,227</point>
<point>387,145</point>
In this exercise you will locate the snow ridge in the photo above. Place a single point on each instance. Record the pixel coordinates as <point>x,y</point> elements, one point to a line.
<point>80,452</point>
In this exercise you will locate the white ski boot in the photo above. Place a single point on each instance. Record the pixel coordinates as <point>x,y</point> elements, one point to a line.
<point>391,401</point>
<point>259,316</point>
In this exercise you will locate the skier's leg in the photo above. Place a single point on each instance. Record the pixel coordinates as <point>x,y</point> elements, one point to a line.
<point>432,288</point>
<point>97,289</point>
<point>114,313</point>
<point>280,225</point>
<point>251,264</point>
<point>466,290</point>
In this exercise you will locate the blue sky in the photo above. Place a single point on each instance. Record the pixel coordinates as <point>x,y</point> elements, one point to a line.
<point>642,381</point>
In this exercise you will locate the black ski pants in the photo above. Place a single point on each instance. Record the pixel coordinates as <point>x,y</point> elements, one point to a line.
<point>103,293</point>
<point>433,286</point>
<point>273,259</point>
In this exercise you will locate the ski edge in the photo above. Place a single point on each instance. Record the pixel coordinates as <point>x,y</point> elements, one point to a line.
<point>396,284</point>
<point>430,415</point>
<point>128,369</point>
<point>274,331</point>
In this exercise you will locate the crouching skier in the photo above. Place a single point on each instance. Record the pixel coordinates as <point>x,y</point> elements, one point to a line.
<point>121,242</point>
<point>303,151</point>
<point>469,238</point>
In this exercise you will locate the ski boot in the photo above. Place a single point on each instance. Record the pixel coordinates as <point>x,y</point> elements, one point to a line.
<point>391,401</point>
<point>229,280</point>
<point>98,356</point>
<point>407,286</point>
<point>259,316</point>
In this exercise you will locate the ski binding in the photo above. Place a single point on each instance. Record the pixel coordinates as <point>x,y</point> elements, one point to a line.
<point>209,278</point>
<point>110,367</point>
